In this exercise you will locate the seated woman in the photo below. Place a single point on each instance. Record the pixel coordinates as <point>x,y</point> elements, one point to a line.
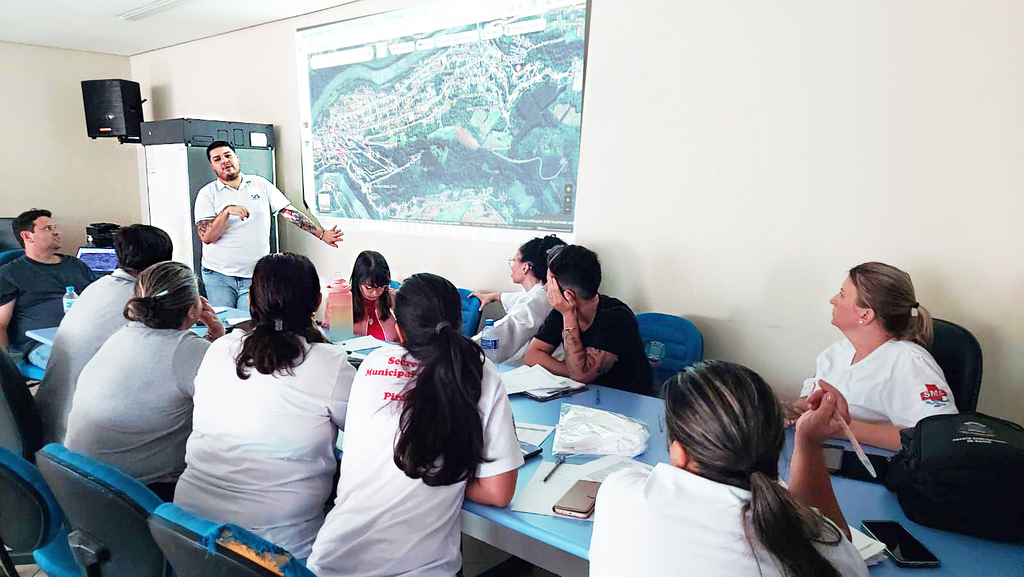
<point>371,297</point>
<point>718,508</point>
<point>132,406</point>
<point>268,406</point>
<point>882,367</point>
<point>525,311</point>
<point>429,424</point>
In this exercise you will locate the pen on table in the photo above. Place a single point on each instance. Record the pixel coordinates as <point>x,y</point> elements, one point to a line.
<point>597,400</point>
<point>856,447</point>
<point>558,462</point>
<point>660,427</point>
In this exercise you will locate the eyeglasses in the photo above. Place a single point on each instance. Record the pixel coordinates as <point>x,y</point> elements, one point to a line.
<point>370,287</point>
<point>511,262</point>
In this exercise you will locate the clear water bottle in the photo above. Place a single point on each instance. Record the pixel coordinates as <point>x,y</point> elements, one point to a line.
<point>70,296</point>
<point>489,341</point>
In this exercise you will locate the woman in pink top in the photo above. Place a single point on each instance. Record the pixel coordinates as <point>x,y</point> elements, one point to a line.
<point>371,297</point>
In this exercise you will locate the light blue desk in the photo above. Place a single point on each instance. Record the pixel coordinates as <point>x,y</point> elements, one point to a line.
<point>46,336</point>
<point>550,542</point>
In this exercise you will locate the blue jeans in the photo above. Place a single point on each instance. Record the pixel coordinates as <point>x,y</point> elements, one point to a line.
<point>40,356</point>
<point>226,291</point>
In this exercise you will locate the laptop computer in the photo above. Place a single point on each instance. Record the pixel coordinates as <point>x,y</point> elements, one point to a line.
<point>100,260</point>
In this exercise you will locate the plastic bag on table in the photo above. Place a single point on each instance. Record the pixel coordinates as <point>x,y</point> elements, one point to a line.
<point>587,431</point>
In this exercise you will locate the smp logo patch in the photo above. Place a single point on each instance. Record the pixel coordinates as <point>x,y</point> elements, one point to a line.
<point>976,429</point>
<point>934,396</point>
<point>255,196</point>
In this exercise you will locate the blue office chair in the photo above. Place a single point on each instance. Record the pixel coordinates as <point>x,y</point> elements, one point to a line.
<point>684,345</point>
<point>958,353</point>
<point>470,313</point>
<point>31,522</point>
<point>21,431</point>
<point>30,371</point>
<point>195,546</point>
<point>9,255</point>
<point>107,513</point>
<point>395,285</point>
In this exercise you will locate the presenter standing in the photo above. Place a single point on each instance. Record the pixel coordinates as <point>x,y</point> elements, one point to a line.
<point>233,215</point>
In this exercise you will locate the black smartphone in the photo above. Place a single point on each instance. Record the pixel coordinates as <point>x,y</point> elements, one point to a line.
<point>900,545</point>
<point>529,450</point>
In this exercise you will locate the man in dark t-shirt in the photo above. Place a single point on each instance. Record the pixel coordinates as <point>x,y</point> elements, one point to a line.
<point>599,333</point>
<point>31,287</point>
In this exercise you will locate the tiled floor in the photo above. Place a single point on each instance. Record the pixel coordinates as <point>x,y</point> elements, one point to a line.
<point>477,557</point>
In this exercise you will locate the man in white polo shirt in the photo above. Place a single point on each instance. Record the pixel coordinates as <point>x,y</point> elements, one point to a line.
<point>232,217</point>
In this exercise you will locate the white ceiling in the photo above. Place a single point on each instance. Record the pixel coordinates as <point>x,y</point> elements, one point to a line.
<point>93,25</point>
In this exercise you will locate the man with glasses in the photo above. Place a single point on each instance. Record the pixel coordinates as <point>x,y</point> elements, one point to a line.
<point>31,287</point>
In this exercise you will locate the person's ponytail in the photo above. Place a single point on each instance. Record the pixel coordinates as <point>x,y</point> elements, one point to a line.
<point>440,437</point>
<point>787,529</point>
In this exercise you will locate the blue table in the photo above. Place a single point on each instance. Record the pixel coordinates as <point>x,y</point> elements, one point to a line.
<point>550,541</point>
<point>46,336</point>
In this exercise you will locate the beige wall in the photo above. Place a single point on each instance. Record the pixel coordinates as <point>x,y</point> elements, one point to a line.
<point>737,159</point>
<point>48,160</point>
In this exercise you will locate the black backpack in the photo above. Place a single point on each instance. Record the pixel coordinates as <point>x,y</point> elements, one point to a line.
<point>962,473</point>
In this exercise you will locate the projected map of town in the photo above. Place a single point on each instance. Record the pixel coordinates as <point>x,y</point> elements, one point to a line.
<point>474,125</point>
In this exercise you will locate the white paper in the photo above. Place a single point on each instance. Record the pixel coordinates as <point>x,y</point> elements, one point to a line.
<point>361,343</point>
<point>533,434</point>
<point>539,497</point>
<point>599,469</point>
<point>871,551</point>
<point>527,378</point>
<point>235,320</point>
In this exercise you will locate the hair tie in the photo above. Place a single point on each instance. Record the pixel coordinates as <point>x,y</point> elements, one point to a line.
<point>441,325</point>
<point>278,325</point>
<point>913,308</point>
<point>162,293</point>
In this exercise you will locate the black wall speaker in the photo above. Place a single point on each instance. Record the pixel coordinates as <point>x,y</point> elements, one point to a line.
<point>113,108</point>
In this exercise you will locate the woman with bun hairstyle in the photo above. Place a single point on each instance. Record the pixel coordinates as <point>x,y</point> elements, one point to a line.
<point>371,297</point>
<point>132,407</point>
<point>525,310</point>
<point>269,403</point>
<point>882,366</point>
<point>718,508</point>
<point>429,424</point>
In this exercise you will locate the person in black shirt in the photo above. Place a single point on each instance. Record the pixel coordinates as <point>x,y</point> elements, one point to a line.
<point>31,287</point>
<point>599,333</point>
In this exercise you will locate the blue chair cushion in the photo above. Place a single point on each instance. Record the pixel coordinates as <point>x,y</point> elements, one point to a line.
<point>470,312</point>
<point>684,345</point>
<point>106,475</point>
<point>31,371</point>
<point>56,559</point>
<point>9,255</point>
<point>209,533</point>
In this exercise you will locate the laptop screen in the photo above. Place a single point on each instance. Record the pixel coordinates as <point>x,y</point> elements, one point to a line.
<point>98,259</point>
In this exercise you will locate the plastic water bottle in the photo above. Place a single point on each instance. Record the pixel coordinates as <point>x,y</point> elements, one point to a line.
<point>489,341</point>
<point>70,296</point>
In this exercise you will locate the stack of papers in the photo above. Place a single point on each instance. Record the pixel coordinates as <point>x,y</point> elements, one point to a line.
<point>532,434</point>
<point>536,380</point>
<point>361,343</point>
<point>236,320</point>
<point>871,551</point>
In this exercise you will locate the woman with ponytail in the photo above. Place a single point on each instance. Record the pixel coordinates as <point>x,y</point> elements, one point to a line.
<point>429,424</point>
<point>525,310</point>
<point>882,366</point>
<point>132,406</point>
<point>718,508</point>
<point>268,406</point>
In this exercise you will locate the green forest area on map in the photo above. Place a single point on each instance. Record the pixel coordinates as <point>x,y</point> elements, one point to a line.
<point>483,133</point>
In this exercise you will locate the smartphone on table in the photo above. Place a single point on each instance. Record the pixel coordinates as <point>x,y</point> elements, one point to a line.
<point>529,450</point>
<point>579,500</point>
<point>900,545</point>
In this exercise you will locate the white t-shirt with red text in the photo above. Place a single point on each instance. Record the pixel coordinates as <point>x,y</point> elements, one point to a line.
<point>898,383</point>
<point>383,522</point>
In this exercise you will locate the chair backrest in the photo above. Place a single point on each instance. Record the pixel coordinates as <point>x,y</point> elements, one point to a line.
<point>107,513</point>
<point>959,355</point>
<point>196,546</point>
<point>30,517</point>
<point>395,285</point>
<point>470,313</point>
<point>684,345</point>
<point>21,431</point>
<point>7,256</point>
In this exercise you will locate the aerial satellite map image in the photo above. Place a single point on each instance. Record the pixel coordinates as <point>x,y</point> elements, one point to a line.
<point>477,124</point>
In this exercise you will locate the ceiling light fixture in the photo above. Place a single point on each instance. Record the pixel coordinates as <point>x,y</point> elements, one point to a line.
<point>151,9</point>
